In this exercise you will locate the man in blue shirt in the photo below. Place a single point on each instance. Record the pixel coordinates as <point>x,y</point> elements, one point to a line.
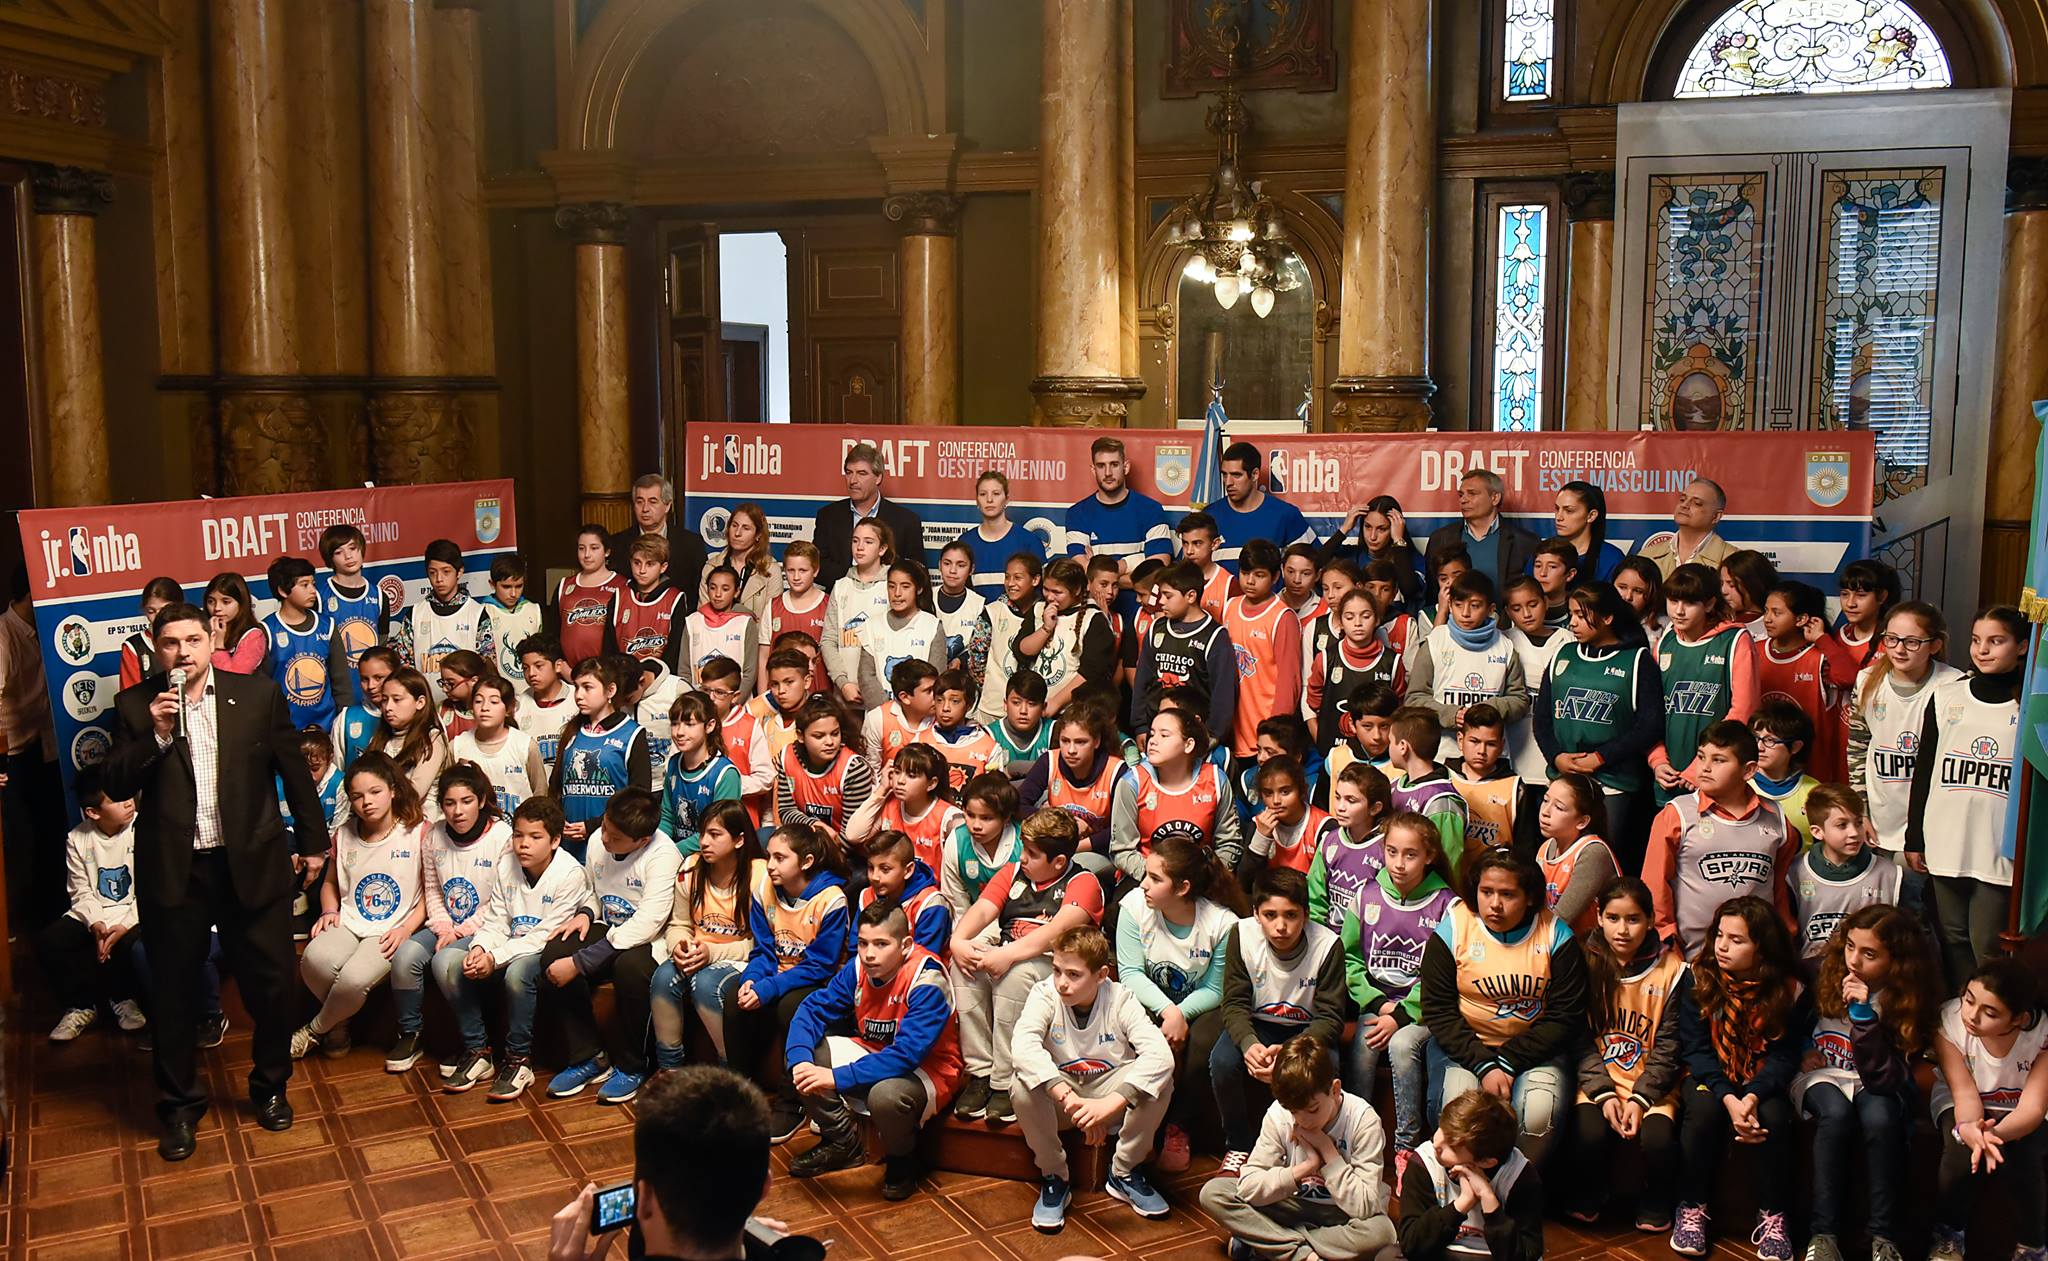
<point>997,538</point>
<point>1499,548</point>
<point>1116,521</point>
<point>1248,512</point>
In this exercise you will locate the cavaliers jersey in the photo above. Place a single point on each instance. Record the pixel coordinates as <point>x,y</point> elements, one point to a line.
<point>1502,985</point>
<point>1893,720</point>
<point>298,661</point>
<point>1188,812</point>
<point>1267,641</point>
<point>1966,806</point>
<point>969,751</point>
<point>927,832</point>
<point>878,1012</point>
<point>356,618</point>
<point>583,612</point>
<point>1640,1002</point>
<point>1802,678</point>
<point>643,625</point>
<point>818,794</point>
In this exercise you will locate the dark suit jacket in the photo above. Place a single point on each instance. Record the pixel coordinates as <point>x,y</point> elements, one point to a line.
<point>257,744</point>
<point>1517,549</point>
<point>832,531</point>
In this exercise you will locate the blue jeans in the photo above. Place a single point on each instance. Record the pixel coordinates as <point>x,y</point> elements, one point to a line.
<point>1405,1053</point>
<point>209,980</point>
<point>1879,1125</point>
<point>1541,1096</point>
<point>521,979</point>
<point>1235,1086</point>
<point>708,988</point>
<point>410,963</point>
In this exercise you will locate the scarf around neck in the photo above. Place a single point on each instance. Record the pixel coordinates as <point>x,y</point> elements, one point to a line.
<point>1474,640</point>
<point>1738,1029</point>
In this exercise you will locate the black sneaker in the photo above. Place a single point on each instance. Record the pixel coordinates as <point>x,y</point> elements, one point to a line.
<point>213,1031</point>
<point>901,1177</point>
<point>403,1054</point>
<point>473,1069</point>
<point>973,1099</point>
<point>834,1151</point>
<point>785,1122</point>
<point>999,1111</point>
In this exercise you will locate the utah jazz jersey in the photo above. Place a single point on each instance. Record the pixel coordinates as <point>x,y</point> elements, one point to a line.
<point>1592,700</point>
<point>1696,689</point>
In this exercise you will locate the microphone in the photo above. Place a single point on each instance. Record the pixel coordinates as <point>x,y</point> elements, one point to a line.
<point>178,686</point>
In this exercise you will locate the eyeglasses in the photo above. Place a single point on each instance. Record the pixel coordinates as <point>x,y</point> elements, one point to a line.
<point>1768,742</point>
<point>722,691</point>
<point>1911,643</point>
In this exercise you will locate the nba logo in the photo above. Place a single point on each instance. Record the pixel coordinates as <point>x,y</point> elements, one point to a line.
<point>1276,477</point>
<point>732,454</point>
<point>81,553</point>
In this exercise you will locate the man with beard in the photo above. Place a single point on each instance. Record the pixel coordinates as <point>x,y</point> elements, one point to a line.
<point>1117,522</point>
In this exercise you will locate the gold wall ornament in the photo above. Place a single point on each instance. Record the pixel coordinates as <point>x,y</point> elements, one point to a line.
<point>270,444</point>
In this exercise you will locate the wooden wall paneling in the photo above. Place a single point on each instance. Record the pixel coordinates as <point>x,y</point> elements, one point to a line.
<point>692,386</point>
<point>846,326</point>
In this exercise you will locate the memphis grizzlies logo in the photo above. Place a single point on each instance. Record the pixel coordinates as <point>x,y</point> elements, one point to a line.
<point>114,884</point>
<point>461,897</point>
<point>377,897</point>
<point>616,909</point>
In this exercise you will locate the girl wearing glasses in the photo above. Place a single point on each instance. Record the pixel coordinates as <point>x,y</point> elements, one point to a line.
<point>1885,712</point>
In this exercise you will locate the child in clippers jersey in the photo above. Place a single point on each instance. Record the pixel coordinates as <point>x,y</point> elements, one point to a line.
<point>1027,904</point>
<point>1467,660</point>
<point>1891,698</point>
<point>1349,851</point>
<point>466,854</point>
<point>645,620</point>
<point>802,937</point>
<point>603,751</point>
<point>902,1060</point>
<point>911,803</point>
<point>1630,1071</point>
<point>1384,937</point>
<point>509,755</point>
<point>699,774</point>
<point>710,932</point>
<point>1989,1098</point>
<point>583,601</point>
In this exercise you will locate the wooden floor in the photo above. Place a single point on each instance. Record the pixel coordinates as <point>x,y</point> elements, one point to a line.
<point>384,1167</point>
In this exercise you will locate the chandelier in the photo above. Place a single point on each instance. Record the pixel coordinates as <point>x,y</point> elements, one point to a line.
<point>1231,228</point>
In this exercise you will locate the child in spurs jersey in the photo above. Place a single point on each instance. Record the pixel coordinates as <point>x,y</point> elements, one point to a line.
<point>1349,851</point>
<point>349,599</point>
<point>525,910</point>
<point>1576,860</point>
<point>1485,780</point>
<point>891,727</point>
<point>802,936</point>
<point>1178,792</point>
<point>646,619</point>
<point>1839,873</point>
<point>445,620</point>
<point>550,702</point>
<point>1722,839</point>
<point>911,802</point>
<point>1355,655</point>
<point>1876,1004</point>
<point>603,751</point>
<point>699,773</point>
<point>508,754</point>
<point>514,618</point>
<point>1630,1071</point>
<point>800,607</point>
<point>1384,935</point>
<point>583,601</point>
<point>710,931</point>
<point>465,856</point>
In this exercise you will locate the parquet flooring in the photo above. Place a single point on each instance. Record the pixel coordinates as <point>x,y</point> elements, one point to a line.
<point>386,1168</point>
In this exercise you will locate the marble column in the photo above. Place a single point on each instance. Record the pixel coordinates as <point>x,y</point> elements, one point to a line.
<point>1081,377</point>
<point>1589,211</point>
<point>419,428</point>
<point>1383,378</point>
<point>269,439</point>
<point>2022,377</point>
<point>603,423</point>
<point>74,394</point>
<point>931,305</point>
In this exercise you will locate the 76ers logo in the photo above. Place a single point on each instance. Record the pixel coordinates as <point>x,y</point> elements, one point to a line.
<point>377,897</point>
<point>461,897</point>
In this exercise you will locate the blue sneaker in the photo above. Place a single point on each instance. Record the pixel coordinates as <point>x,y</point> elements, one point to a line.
<point>1049,1215</point>
<point>620,1087</point>
<point>572,1080</point>
<point>1133,1190</point>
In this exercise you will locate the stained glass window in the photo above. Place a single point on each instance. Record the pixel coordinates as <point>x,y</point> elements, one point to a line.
<point>1518,313</point>
<point>1705,296</point>
<point>1760,47</point>
<point>1531,38</point>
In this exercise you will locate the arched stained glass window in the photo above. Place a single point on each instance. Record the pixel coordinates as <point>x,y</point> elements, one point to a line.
<point>1760,47</point>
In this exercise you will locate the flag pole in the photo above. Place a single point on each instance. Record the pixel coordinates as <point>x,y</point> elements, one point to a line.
<point>2012,940</point>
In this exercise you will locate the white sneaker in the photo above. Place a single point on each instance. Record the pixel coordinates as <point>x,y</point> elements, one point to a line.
<point>72,1023</point>
<point>129,1016</point>
<point>303,1041</point>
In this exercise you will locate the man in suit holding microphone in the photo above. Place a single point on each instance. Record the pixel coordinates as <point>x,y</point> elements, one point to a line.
<point>200,750</point>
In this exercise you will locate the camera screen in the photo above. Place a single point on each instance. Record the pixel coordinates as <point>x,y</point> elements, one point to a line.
<point>614,1207</point>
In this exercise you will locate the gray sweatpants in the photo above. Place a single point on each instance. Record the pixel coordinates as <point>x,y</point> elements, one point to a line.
<point>1295,1229</point>
<point>341,969</point>
<point>898,1105</point>
<point>1041,1120</point>
<point>987,1004</point>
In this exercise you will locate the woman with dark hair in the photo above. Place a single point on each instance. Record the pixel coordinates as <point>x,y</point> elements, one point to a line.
<point>1581,517</point>
<point>1504,996</point>
<point>1600,710</point>
<point>1382,535</point>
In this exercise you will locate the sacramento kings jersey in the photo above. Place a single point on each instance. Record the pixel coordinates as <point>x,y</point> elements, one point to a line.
<point>1392,933</point>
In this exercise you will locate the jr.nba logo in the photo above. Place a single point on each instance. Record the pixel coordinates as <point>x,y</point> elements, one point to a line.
<point>81,553</point>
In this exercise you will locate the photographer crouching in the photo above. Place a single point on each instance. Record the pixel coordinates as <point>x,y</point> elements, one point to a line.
<point>700,1166</point>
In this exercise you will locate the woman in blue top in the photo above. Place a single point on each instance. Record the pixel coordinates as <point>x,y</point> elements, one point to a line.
<point>1581,518</point>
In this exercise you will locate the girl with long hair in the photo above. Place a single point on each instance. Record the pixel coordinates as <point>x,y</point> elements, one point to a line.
<point>603,749</point>
<point>746,553</point>
<point>410,734</point>
<point>1581,519</point>
<point>721,889</point>
<point>858,603</point>
<point>1600,710</point>
<point>240,644</point>
<point>1989,1101</point>
<point>699,774</point>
